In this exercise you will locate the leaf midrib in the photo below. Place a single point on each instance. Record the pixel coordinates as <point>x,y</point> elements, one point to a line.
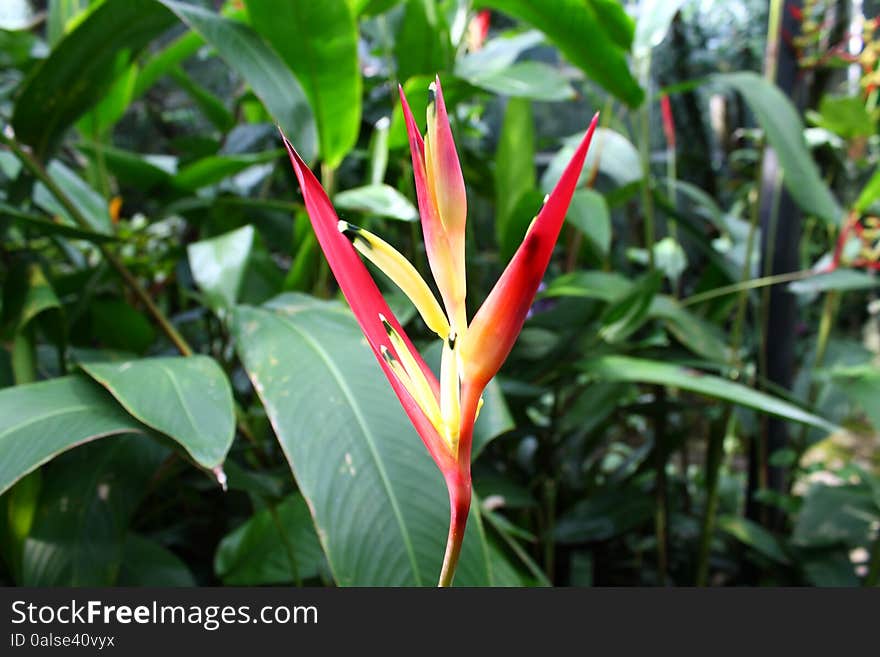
<point>368,436</point>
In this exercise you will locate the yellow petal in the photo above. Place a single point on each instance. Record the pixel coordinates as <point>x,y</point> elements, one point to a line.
<point>427,402</point>
<point>401,272</point>
<point>415,380</point>
<point>450,393</point>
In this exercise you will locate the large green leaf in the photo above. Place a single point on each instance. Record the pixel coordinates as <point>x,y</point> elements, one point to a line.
<point>272,82</point>
<point>219,264</point>
<point>514,162</point>
<point>576,28</point>
<point>81,68</point>
<point>366,475</point>
<point>533,80</point>
<point>496,54</point>
<point>275,546</point>
<point>41,420</point>
<point>654,19</point>
<point>642,370</point>
<point>589,213</point>
<point>381,200</point>
<point>422,45</point>
<point>234,267</point>
<point>89,202</point>
<point>188,399</point>
<point>785,133</point>
<point>214,168</point>
<point>836,514</point>
<point>870,193</point>
<point>616,156</point>
<point>87,503</point>
<point>318,41</point>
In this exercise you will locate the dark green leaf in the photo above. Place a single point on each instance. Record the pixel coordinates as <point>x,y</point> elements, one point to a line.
<point>625,316</point>
<point>265,72</point>
<point>115,324</point>
<point>641,370</point>
<point>87,504</point>
<point>784,131</point>
<point>137,170</point>
<point>164,61</point>
<point>147,563</point>
<point>87,201</point>
<point>695,333</point>
<point>188,399</point>
<point>82,67</point>
<point>318,41</point>
<point>275,546</point>
<point>212,107</point>
<point>603,516</point>
<point>576,29</point>
<point>755,536</point>
<point>41,420</point>
<point>214,168</point>
<point>836,514</point>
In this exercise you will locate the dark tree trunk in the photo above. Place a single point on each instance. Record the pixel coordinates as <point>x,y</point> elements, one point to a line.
<point>780,236</point>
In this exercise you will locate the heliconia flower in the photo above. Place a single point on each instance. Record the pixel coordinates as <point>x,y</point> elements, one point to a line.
<point>443,412</point>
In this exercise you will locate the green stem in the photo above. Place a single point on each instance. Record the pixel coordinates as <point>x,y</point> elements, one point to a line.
<point>746,285</point>
<point>40,173</point>
<point>826,322</point>
<point>714,459</point>
<point>458,482</point>
<point>459,505</point>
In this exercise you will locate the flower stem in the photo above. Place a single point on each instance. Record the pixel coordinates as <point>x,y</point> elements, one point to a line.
<point>459,506</point>
<point>458,481</point>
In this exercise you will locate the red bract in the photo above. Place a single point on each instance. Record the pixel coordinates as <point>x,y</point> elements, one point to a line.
<point>443,412</point>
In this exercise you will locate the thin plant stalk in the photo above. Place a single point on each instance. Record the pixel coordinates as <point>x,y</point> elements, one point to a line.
<point>130,280</point>
<point>715,451</point>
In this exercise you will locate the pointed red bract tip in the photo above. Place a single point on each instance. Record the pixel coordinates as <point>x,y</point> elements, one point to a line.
<point>499,320</point>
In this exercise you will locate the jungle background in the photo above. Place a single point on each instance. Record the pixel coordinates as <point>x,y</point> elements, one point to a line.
<point>185,400</point>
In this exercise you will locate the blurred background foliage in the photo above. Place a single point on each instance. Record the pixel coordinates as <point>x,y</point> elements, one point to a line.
<point>694,400</point>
